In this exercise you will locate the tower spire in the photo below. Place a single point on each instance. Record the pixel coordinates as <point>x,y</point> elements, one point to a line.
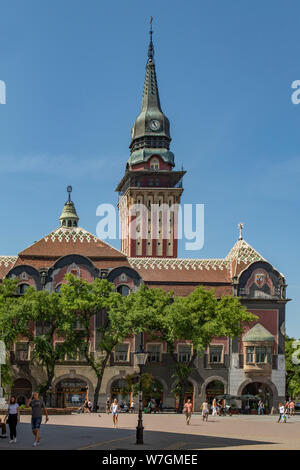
<point>150,133</point>
<point>151,48</point>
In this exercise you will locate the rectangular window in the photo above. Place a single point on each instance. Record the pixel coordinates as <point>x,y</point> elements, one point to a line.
<point>42,328</point>
<point>184,352</point>
<point>215,354</point>
<point>153,352</point>
<point>77,325</point>
<point>263,355</point>
<point>250,354</point>
<point>22,350</point>
<point>76,356</point>
<point>121,353</point>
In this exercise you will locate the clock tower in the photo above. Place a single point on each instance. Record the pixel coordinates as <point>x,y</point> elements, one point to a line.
<point>150,190</point>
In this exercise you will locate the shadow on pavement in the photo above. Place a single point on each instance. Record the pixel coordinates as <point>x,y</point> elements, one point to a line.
<point>60,437</point>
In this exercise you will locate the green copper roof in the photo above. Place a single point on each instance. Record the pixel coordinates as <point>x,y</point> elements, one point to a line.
<point>143,155</point>
<point>69,214</point>
<point>151,128</point>
<point>258,333</point>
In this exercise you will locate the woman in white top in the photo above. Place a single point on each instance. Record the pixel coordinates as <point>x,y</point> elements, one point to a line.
<point>115,411</point>
<point>214,407</point>
<point>13,414</point>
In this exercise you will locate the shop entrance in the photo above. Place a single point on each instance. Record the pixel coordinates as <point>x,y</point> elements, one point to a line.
<point>260,390</point>
<point>117,391</point>
<point>22,390</point>
<point>71,393</point>
<point>213,389</point>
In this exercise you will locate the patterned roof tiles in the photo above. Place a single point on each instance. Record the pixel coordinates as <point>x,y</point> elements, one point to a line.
<point>8,260</point>
<point>242,252</point>
<point>178,263</point>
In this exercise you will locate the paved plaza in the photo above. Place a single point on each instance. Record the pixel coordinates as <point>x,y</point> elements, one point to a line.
<point>162,432</point>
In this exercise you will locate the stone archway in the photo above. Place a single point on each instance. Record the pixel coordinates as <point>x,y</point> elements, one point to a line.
<point>192,393</point>
<point>22,389</point>
<point>60,401</point>
<point>262,388</point>
<point>213,389</point>
<point>207,381</point>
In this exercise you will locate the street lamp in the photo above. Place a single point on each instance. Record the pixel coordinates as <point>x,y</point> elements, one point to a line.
<point>141,359</point>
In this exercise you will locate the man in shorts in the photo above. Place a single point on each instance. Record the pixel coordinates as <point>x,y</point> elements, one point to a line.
<point>187,409</point>
<point>37,409</point>
<point>205,410</point>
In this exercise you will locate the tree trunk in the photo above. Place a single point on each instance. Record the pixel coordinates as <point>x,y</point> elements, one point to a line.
<point>46,387</point>
<point>99,382</point>
<point>183,386</point>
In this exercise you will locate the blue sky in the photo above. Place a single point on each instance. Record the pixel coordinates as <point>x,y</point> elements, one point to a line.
<point>74,74</point>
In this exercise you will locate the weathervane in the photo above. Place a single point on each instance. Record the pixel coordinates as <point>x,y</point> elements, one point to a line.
<point>69,189</point>
<point>241,226</point>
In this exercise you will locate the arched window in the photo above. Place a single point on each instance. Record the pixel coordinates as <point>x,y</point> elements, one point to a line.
<point>123,290</point>
<point>57,288</point>
<point>22,288</point>
<point>154,164</point>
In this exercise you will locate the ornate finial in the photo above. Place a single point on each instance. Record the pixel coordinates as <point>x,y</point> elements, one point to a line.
<point>69,217</point>
<point>241,226</point>
<point>69,189</point>
<point>151,48</point>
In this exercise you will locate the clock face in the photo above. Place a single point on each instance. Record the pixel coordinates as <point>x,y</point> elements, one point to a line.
<point>155,125</point>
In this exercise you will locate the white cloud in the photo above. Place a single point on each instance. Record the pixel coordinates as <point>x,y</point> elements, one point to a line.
<point>59,164</point>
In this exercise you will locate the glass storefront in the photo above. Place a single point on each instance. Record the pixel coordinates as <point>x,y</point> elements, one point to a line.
<point>71,393</point>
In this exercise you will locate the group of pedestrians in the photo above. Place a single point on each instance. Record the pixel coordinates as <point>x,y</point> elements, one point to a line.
<point>12,418</point>
<point>188,409</point>
<point>286,411</point>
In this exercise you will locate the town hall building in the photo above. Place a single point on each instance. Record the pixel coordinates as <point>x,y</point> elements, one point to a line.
<point>253,364</point>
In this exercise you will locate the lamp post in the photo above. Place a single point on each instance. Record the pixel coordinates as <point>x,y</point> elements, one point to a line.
<point>141,358</point>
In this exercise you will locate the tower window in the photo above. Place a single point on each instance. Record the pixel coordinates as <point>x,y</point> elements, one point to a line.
<point>154,165</point>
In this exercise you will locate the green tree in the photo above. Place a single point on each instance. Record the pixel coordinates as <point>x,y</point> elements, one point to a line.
<point>46,311</point>
<point>12,322</point>
<point>292,369</point>
<point>150,387</point>
<point>196,318</point>
<point>84,300</point>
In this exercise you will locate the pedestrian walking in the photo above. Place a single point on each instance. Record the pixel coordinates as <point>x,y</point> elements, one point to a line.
<point>219,407</point>
<point>37,409</point>
<point>214,407</point>
<point>261,407</point>
<point>160,406</point>
<point>86,406</point>
<point>132,405</point>
<point>281,413</point>
<point>115,408</point>
<point>90,406</point>
<point>187,409</point>
<point>13,418</point>
<point>205,411</point>
<point>292,408</point>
